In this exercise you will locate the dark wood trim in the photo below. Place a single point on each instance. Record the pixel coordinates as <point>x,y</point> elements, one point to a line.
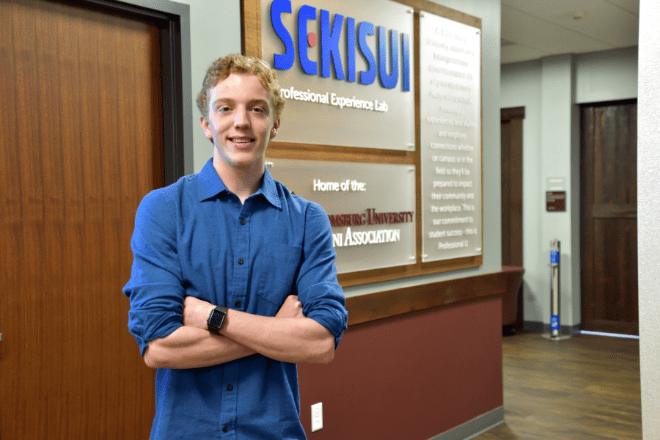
<point>506,114</point>
<point>419,244</point>
<point>443,11</point>
<point>251,27</point>
<point>332,153</point>
<point>114,7</point>
<point>173,130</point>
<point>610,210</point>
<point>586,198</point>
<point>412,270</point>
<point>365,308</point>
<point>608,103</point>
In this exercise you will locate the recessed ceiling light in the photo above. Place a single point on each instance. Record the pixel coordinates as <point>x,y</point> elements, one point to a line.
<point>578,14</point>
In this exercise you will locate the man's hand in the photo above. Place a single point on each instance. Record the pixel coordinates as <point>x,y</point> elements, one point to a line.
<point>292,308</point>
<point>289,336</point>
<point>196,312</point>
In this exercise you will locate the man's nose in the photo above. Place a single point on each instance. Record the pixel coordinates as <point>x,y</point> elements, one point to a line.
<point>241,118</point>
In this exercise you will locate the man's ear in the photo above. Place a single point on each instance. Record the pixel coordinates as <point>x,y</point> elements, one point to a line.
<point>204,123</point>
<point>273,131</point>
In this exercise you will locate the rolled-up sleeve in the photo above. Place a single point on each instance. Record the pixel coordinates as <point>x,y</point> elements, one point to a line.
<point>155,289</point>
<point>318,290</point>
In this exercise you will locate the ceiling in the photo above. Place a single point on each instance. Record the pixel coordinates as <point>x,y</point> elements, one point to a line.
<point>533,29</point>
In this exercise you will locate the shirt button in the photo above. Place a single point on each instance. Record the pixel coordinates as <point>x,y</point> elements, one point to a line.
<point>242,221</point>
<point>229,387</point>
<point>240,261</point>
<point>225,428</point>
<point>237,303</point>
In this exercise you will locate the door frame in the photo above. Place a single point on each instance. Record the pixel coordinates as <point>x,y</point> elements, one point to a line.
<point>173,21</point>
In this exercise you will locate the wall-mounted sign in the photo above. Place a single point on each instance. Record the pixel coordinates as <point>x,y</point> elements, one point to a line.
<point>346,71</point>
<point>555,184</point>
<point>371,208</point>
<point>450,107</point>
<point>555,201</point>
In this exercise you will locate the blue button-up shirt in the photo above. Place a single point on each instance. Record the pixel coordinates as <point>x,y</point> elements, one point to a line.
<point>195,238</point>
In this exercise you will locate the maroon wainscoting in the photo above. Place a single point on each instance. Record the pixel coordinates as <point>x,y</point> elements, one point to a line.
<point>410,377</point>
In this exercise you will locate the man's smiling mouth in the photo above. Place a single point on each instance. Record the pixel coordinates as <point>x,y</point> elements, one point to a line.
<point>241,140</point>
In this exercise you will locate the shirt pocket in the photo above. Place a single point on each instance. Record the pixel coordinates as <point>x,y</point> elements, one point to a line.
<point>277,276</point>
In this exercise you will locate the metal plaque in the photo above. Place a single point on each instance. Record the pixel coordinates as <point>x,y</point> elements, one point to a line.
<point>371,208</point>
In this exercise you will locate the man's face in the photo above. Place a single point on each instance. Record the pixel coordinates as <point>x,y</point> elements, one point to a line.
<point>240,122</point>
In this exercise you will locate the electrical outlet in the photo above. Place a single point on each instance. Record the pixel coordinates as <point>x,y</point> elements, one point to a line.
<point>317,416</point>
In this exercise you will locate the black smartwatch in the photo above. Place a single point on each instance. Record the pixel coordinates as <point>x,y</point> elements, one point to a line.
<point>216,319</point>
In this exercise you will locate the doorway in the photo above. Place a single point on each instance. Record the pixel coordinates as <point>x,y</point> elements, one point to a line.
<point>512,199</point>
<point>609,217</point>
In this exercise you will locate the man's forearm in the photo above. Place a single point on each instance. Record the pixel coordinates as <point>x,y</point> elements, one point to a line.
<point>190,347</point>
<point>293,340</point>
<point>288,336</point>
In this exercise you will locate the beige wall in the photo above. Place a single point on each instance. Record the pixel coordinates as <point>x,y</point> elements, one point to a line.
<point>215,31</point>
<point>648,215</point>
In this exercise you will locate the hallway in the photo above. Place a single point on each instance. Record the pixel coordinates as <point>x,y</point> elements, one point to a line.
<point>585,387</point>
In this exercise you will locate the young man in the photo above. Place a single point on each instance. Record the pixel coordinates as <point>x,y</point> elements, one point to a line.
<point>233,278</point>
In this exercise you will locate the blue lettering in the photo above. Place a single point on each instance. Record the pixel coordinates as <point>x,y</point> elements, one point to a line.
<point>282,62</point>
<point>305,13</point>
<point>330,52</point>
<point>388,81</point>
<point>350,48</point>
<point>368,76</point>
<point>330,44</point>
<point>405,59</point>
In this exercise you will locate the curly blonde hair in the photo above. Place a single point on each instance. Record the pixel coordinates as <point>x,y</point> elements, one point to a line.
<point>221,68</point>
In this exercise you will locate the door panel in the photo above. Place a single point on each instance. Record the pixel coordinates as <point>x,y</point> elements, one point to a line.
<point>511,173</point>
<point>609,218</point>
<point>80,129</point>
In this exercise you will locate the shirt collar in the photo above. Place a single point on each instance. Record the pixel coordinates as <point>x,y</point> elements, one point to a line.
<point>211,185</point>
<point>269,190</point>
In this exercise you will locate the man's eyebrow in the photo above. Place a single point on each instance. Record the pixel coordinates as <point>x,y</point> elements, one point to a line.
<point>231,101</point>
<point>260,101</point>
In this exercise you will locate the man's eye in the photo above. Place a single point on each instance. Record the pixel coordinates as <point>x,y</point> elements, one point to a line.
<point>258,109</point>
<point>223,109</point>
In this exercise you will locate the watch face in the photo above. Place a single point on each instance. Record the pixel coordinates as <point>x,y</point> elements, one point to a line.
<point>216,319</point>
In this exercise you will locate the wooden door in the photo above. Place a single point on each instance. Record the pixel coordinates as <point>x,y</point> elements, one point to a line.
<point>512,198</point>
<point>609,217</point>
<point>511,134</point>
<point>81,144</point>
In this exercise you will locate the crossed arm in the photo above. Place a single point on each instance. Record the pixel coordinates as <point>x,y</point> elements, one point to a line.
<point>289,336</point>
